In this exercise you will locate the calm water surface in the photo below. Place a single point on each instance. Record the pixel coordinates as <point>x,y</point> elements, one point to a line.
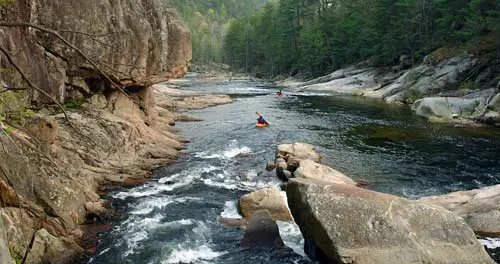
<point>176,217</point>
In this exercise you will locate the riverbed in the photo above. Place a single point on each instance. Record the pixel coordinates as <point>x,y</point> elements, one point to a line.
<point>176,218</point>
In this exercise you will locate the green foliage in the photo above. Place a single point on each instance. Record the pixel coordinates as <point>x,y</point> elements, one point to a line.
<point>318,36</point>
<point>208,21</point>
<point>18,258</point>
<point>4,2</point>
<point>74,104</point>
<point>14,106</point>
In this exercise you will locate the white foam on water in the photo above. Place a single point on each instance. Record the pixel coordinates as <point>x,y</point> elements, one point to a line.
<point>148,205</point>
<point>231,151</point>
<point>226,184</point>
<point>192,255</point>
<point>490,243</point>
<point>291,235</point>
<point>135,230</point>
<point>180,179</point>
<point>133,241</point>
<point>169,178</point>
<point>230,210</point>
<point>104,251</point>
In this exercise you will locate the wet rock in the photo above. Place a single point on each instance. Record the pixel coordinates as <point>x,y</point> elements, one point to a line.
<point>234,222</point>
<point>270,166</point>
<point>262,232</point>
<point>299,151</point>
<point>348,224</point>
<point>480,208</point>
<point>287,175</point>
<point>292,164</point>
<point>309,169</point>
<point>98,208</point>
<point>265,199</point>
<point>449,108</point>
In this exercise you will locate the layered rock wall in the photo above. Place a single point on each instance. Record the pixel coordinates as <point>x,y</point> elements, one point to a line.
<point>52,169</point>
<point>135,43</point>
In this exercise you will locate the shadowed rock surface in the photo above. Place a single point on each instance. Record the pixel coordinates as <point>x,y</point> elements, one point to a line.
<point>262,231</point>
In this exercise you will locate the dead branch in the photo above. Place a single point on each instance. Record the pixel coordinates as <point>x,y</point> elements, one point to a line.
<point>32,85</point>
<point>7,89</point>
<point>69,44</point>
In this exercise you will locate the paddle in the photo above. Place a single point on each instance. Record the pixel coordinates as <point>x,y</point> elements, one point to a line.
<point>262,118</point>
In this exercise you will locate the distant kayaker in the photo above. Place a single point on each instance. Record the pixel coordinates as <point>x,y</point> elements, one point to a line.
<point>279,92</point>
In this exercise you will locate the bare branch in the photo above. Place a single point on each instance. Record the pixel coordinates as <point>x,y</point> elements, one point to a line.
<point>32,85</point>
<point>66,42</point>
<point>7,89</point>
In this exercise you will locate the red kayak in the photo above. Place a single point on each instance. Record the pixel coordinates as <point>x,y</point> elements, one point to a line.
<point>260,125</point>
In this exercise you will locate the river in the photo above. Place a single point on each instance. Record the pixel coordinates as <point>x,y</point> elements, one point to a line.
<point>176,218</point>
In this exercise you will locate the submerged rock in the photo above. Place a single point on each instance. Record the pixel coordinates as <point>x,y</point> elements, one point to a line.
<point>265,199</point>
<point>345,224</point>
<point>480,208</point>
<point>262,231</point>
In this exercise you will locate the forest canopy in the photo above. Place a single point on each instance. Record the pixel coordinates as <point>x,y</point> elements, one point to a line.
<point>316,37</point>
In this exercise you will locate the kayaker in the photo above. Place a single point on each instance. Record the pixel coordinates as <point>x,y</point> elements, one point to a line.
<point>279,92</point>
<point>261,119</point>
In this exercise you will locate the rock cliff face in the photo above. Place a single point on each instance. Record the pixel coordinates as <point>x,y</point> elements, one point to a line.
<point>52,169</point>
<point>136,43</point>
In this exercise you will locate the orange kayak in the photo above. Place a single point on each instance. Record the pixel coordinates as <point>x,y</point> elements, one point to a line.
<point>260,125</point>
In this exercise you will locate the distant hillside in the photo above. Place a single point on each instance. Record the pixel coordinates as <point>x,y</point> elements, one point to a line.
<point>209,20</point>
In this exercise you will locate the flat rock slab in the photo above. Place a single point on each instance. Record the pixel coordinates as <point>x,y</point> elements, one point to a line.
<point>309,169</point>
<point>352,225</point>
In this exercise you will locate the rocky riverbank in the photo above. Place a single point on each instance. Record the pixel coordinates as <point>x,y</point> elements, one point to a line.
<point>343,223</point>
<point>447,87</point>
<point>100,67</point>
<point>55,170</point>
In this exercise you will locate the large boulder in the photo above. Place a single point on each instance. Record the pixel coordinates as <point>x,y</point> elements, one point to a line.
<point>309,169</point>
<point>299,151</point>
<point>449,107</point>
<point>269,199</point>
<point>346,224</point>
<point>262,232</point>
<point>480,208</point>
